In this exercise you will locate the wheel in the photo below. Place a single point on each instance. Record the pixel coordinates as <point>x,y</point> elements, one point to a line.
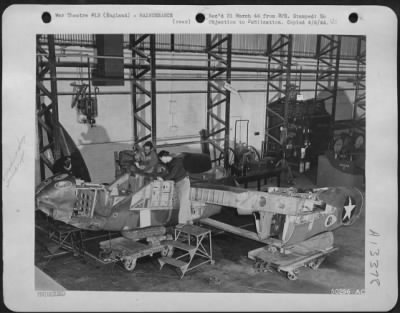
<point>168,251</point>
<point>129,264</point>
<point>231,158</point>
<point>291,276</point>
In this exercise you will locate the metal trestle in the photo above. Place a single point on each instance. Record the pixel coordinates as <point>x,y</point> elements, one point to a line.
<point>191,246</point>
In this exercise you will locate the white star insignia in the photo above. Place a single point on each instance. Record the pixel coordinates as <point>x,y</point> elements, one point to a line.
<point>349,208</point>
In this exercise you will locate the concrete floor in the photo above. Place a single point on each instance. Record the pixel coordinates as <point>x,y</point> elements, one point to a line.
<point>232,271</point>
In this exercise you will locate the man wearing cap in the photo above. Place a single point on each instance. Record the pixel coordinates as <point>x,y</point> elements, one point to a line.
<point>179,175</point>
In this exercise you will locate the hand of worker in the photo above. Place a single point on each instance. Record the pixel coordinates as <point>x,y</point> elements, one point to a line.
<point>160,178</point>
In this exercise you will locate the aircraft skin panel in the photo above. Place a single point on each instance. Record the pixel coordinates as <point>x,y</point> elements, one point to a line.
<point>145,218</point>
<point>314,224</point>
<point>89,223</point>
<point>78,165</point>
<point>247,201</point>
<point>276,204</point>
<point>300,233</point>
<point>211,210</point>
<point>79,168</point>
<point>121,220</point>
<point>288,228</point>
<point>164,217</point>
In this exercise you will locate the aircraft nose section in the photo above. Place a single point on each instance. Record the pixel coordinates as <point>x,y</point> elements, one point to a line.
<point>43,201</point>
<point>56,196</point>
<point>42,197</point>
<point>51,192</point>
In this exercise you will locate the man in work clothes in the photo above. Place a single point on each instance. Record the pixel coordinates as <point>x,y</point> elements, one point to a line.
<point>178,174</point>
<point>150,160</point>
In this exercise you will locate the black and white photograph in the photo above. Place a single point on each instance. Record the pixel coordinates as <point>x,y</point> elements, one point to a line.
<point>218,162</point>
<point>207,162</point>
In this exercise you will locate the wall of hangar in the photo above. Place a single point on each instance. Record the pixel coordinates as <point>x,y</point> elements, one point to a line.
<point>180,115</point>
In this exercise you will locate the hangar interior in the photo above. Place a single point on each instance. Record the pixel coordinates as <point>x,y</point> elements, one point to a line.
<point>268,109</point>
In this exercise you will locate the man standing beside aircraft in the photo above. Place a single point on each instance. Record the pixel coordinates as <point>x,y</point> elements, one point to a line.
<point>150,160</point>
<point>177,173</point>
<point>138,161</point>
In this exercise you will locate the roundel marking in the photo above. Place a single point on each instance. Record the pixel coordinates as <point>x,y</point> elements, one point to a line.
<point>348,210</point>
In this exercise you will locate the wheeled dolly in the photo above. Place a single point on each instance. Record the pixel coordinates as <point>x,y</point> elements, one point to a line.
<point>289,260</point>
<point>127,251</point>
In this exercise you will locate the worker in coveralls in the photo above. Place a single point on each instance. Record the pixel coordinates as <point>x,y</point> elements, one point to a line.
<point>179,175</point>
<point>146,162</point>
<point>150,160</point>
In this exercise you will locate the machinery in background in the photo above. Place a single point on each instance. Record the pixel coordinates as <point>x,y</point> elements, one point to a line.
<point>202,172</point>
<point>244,159</point>
<point>349,146</point>
<point>245,164</point>
<point>344,162</point>
<point>85,101</point>
<point>307,134</point>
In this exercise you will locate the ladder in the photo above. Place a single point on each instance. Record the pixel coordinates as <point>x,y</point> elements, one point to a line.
<point>193,246</point>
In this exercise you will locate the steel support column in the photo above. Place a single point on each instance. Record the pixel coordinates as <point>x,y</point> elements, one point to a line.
<point>219,52</point>
<point>328,64</point>
<point>359,99</point>
<point>143,96</point>
<point>47,114</point>
<point>276,47</point>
